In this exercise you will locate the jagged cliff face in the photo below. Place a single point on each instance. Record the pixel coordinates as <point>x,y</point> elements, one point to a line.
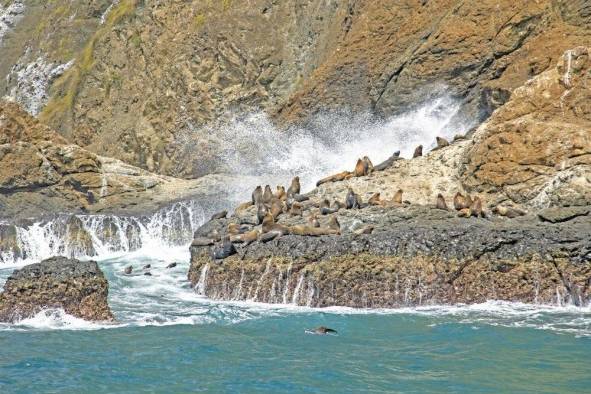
<point>146,81</point>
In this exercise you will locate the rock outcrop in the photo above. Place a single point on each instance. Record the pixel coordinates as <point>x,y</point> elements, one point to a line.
<point>142,82</point>
<point>42,173</point>
<point>79,288</point>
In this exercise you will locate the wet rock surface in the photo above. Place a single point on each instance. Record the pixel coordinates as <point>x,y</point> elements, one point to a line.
<point>77,287</point>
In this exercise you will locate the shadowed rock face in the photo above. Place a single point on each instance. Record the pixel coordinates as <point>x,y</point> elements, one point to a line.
<point>79,288</point>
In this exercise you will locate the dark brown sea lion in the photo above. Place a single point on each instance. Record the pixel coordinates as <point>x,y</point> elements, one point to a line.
<point>295,187</point>
<point>418,151</point>
<point>322,331</point>
<point>226,249</point>
<point>171,265</point>
<point>352,200</point>
<point>341,176</point>
<point>128,270</point>
<point>147,266</point>
<point>441,142</point>
<point>441,202</point>
<point>257,195</point>
<point>219,215</point>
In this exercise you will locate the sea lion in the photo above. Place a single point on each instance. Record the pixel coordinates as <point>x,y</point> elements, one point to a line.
<point>325,208</point>
<point>464,213</point>
<point>313,220</point>
<point>375,199</point>
<point>235,228</point>
<point>397,199</point>
<point>368,165</point>
<point>336,204</point>
<point>246,238</point>
<point>459,137</point>
<point>226,249</point>
<point>202,241</point>
<point>352,200</point>
<point>418,151</point>
<point>261,212</point>
<point>280,193</point>
<point>294,188</point>
<point>322,331</point>
<point>359,168</point>
<point>364,230</point>
<point>311,231</point>
<point>269,225</point>
<point>257,195</point>
<point>147,266</point>
<point>171,265</point>
<point>147,273</point>
<point>441,202</point>
<point>441,142</point>
<point>300,197</point>
<point>469,201</point>
<point>296,209</point>
<point>476,208</point>
<point>219,215</point>
<point>333,224</point>
<point>242,207</point>
<point>341,176</point>
<point>388,162</point>
<point>267,195</point>
<point>128,270</point>
<point>276,208</point>
<point>508,212</point>
<point>460,202</point>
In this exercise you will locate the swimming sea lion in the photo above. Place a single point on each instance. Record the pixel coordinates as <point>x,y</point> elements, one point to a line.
<point>257,195</point>
<point>397,199</point>
<point>460,202</point>
<point>341,176</point>
<point>147,274</point>
<point>147,266</point>
<point>219,215</point>
<point>418,151</point>
<point>294,188</point>
<point>375,199</point>
<point>352,200</point>
<point>267,195</point>
<point>128,270</point>
<point>388,162</point>
<point>322,331</point>
<point>280,193</point>
<point>441,142</point>
<point>171,265</point>
<point>441,202</point>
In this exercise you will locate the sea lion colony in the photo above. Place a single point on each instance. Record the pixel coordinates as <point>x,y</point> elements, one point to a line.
<point>321,216</point>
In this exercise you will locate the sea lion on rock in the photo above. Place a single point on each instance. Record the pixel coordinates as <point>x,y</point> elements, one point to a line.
<point>325,208</point>
<point>476,208</point>
<point>508,212</point>
<point>322,331</point>
<point>311,231</point>
<point>313,220</point>
<point>267,195</point>
<point>341,176</point>
<point>336,204</point>
<point>375,199</point>
<point>296,209</point>
<point>469,201</point>
<point>441,142</point>
<point>276,208</point>
<point>202,241</point>
<point>219,215</point>
<point>359,168</point>
<point>333,224</point>
<point>128,270</point>
<point>418,152</point>
<point>235,228</point>
<point>367,165</point>
<point>441,202</point>
<point>465,213</point>
<point>261,212</point>
<point>295,187</point>
<point>388,162</point>
<point>226,249</point>
<point>257,195</point>
<point>352,200</point>
<point>397,199</point>
<point>364,230</point>
<point>460,202</point>
<point>280,193</point>
<point>269,226</point>
<point>246,238</point>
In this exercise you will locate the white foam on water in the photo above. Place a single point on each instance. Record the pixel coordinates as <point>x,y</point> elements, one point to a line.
<point>53,319</point>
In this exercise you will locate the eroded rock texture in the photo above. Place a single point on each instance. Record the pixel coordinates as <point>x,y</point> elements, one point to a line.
<point>79,288</point>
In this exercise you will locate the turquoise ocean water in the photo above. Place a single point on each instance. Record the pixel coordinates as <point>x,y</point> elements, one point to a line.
<point>169,340</point>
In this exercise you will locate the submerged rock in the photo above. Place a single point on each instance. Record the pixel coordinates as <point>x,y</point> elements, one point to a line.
<point>77,287</point>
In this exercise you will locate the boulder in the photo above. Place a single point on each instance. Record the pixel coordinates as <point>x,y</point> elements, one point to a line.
<point>77,287</point>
